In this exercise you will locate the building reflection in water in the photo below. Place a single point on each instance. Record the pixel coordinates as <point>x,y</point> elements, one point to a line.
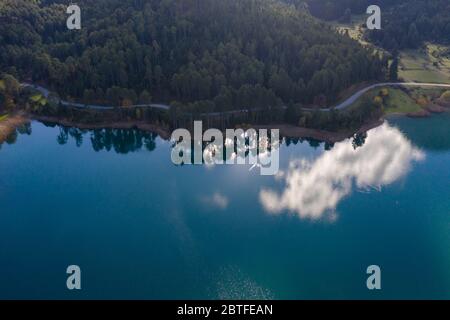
<point>313,189</point>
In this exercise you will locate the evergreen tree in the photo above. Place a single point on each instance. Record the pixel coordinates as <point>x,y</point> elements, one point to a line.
<point>393,69</point>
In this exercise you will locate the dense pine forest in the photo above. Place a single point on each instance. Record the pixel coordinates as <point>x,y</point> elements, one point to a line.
<point>405,23</point>
<point>409,24</point>
<point>337,9</point>
<point>203,55</point>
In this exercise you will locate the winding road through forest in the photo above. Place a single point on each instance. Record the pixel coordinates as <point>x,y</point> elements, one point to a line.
<point>348,102</point>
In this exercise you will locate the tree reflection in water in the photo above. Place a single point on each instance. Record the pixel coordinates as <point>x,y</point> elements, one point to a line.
<point>122,141</point>
<point>24,128</point>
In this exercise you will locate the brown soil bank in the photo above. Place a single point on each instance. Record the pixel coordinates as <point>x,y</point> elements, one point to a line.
<point>8,125</point>
<point>438,106</point>
<point>419,114</point>
<point>443,103</point>
<point>435,108</point>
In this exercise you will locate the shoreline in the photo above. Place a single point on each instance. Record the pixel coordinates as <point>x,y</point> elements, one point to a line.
<point>286,130</point>
<point>10,124</point>
<point>426,111</point>
<point>291,131</point>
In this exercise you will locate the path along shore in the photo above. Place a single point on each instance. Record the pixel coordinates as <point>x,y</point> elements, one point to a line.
<point>343,105</point>
<point>12,122</point>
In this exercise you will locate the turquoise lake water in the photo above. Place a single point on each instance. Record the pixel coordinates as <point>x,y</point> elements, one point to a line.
<point>112,202</point>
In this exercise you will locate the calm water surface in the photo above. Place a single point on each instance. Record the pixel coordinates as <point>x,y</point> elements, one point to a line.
<point>112,202</point>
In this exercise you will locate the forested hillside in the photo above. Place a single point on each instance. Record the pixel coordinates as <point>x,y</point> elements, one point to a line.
<point>410,23</point>
<point>336,9</point>
<point>405,23</point>
<point>208,54</point>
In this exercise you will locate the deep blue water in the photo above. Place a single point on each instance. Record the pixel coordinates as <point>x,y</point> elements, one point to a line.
<point>113,203</point>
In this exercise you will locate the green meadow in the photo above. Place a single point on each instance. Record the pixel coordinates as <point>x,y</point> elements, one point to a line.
<point>429,64</point>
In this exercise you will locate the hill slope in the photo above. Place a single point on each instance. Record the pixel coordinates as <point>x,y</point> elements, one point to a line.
<point>208,54</point>
<point>406,23</point>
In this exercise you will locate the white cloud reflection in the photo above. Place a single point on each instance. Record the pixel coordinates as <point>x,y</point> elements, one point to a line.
<point>315,188</point>
<point>216,200</point>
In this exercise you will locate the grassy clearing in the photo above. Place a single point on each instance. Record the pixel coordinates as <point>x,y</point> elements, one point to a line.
<point>358,103</point>
<point>399,101</point>
<point>354,29</point>
<point>430,93</point>
<point>392,101</point>
<point>429,64</point>
<point>445,95</point>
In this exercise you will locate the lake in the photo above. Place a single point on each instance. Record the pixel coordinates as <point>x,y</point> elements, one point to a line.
<point>112,202</point>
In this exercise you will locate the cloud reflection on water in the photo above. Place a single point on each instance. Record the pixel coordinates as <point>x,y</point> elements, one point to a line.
<point>217,200</point>
<point>315,188</point>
